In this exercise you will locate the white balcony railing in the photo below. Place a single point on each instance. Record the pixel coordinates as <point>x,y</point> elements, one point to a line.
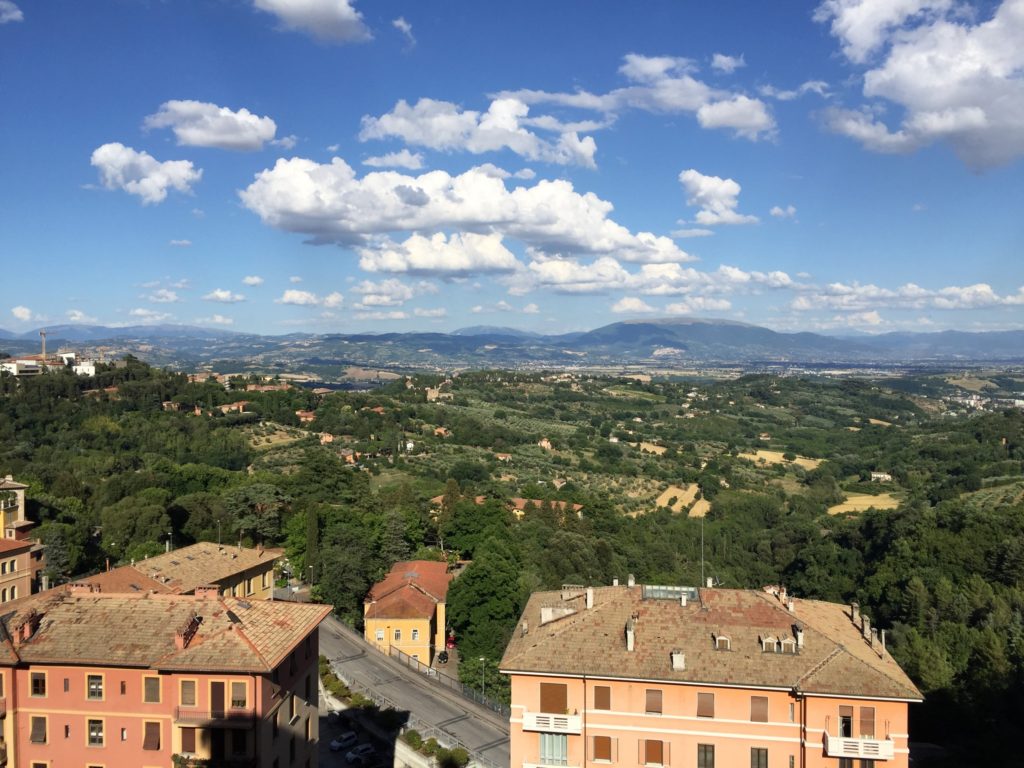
<point>868,749</point>
<point>548,765</point>
<point>548,723</point>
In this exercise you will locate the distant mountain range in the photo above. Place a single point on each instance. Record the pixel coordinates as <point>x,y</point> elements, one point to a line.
<point>666,343</point>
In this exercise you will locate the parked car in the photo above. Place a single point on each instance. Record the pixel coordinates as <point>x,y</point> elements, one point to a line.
<point>344,741</point>
<point>442,657</point>
<point>361,754</point>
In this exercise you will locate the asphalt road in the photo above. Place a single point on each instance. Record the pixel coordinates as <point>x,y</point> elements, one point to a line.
<point>479,729</point>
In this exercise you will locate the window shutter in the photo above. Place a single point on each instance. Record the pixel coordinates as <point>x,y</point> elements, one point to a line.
<point>152,737</point>
<point>602,749</point>
<point>602,697</point>
<point>653,702</point>
<point>38,730</point>
<point>705,705</point>
<point>653,752</point>
<point>846,712</point>
<point>867,722</point>
<point>553,698</point>
<point>759,709</point>
<point>188,740</point>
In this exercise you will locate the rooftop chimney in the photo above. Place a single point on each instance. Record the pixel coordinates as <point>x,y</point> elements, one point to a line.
<point>790,606</point>
<point>874,636</point>
<point>590,598</point>
<point>710,582</point>
<point>798,630</point>
<point>615,581</point>
<point>883,639</point>
<point>855,611</point>
<point>83,588</point>
<point>207,591</point>
<point>630,635</point>
<point>524,628</point>
<point>678,660</point>
<point>865,626</point>
<point>631,580</point>
<point>682,599</point>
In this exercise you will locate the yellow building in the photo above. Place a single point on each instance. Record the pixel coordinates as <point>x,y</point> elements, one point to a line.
<point>407,609</point>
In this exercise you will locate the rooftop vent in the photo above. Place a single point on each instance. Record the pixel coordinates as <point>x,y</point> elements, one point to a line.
<point>631,634</point>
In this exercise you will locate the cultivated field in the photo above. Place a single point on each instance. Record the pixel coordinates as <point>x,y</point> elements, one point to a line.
<point>775,457</point>
<point>858,502</point>
<point>684,497</point>
<point>650,448</point>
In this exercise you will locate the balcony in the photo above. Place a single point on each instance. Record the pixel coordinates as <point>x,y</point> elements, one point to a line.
<point>194,716</point>
<point>548,765</point>
<point>549,723</point>
<point>866,749</point>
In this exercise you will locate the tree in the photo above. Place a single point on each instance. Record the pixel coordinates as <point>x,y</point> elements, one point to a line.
<point>257,509</point>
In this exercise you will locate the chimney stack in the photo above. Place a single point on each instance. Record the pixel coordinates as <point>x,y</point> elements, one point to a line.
<point>615,581</point>
<point>865,626</point>
<point>678,660</point>
<point>874,636</point>
<point>790,606</point>
<point>524,628</point>
<point>590,598</point>
<point>710,582</point>
<point>798,630</point>
<point>631,635</point>
<point>883,639</point>
<point>631,580</point>
<point>682,599</point>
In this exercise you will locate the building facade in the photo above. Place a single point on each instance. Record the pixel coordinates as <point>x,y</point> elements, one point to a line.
<point>671,676</point>
<point>21,556</point>
<point>406,610</point>
<point>95,679</point>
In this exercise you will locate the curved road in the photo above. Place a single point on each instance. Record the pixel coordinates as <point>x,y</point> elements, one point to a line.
<point>480,730</point>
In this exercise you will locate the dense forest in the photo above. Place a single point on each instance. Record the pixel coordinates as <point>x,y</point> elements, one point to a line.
<point>119,463</point>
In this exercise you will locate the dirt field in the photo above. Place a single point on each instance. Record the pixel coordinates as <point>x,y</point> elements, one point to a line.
<point>275,439</point>
<point>700,508</point>
<point>854,429</point>
<point>684,497</point>
<point>972,384</point>
<point>775,457</point>
<point>368,374</point>
<point>858,502</point>
<point>879,423</point>
<point>650,448</point>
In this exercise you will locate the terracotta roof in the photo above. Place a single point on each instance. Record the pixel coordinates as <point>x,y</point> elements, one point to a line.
<point>182,570</point>
<point>7,484</point>
<point>139,631</point>
<point>413,588</point>
<point>834,659</point>
<point>124,579</point>
<point>11,546</point>
<point>406,602</point>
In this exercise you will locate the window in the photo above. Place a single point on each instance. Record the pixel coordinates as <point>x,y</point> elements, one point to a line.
<point>309,688</point>
<point>652,703</point>
<point>250,586</point>
<point>554,748</point>
<point>188,693</point>
<point>238,695</point>
<point>38,683</point>
<point>415,635</point>
<point>846,722</point>
<point>654,752</point>
<point>867,764</point>
<point>759,709</point>
<point>238,742</point>
<point>291,707</point>
<point>705,756</point>
<point>124,687</point>
<point>705,705</point>
<point>602,697</point>
<point>124,734</point>
<point>14,593</point>
<point>95,733</point>
<point>722,643</point>
<point>380,635</point>
<point>94,686</point>
<point>151,690</point>
<point>188,740</point>
<point>1,686</point>
<point>398,635</point>
<point>67,684</point>
<point>554,698</point>
<point>602,748</point>
<point>792,713</point>
<point>151,737</point>
<point>867,723</point>
<point>758,757</point>
<point>845,762</point>
<point>38,734</point>
<point>67,731</point>
<point>266,578</point>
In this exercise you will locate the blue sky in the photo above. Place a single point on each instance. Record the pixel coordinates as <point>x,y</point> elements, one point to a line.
<point>339,165</point>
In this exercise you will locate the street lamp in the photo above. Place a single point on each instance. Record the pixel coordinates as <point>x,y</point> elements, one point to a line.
<point>482,669</point>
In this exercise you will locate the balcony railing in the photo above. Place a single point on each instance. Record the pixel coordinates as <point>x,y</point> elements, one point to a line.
<point>549,723</point>
<point>548,765</point>
<point>195,716</point>
<point>866,749</point>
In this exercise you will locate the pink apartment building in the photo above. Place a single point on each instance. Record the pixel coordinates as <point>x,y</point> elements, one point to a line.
<point>91,679</point>
<point>677,676</point>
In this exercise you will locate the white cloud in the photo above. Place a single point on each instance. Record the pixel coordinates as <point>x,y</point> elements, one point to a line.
<point>149,316</point>
<point>22,314</point>
<point>405,28</point>
<point>461,254</point>
<point>728,64</point>
<point>215,319</point>
<point>438,312</point>
<point>10,12</point>
<point>957,82</point>
<point>664,85</point>
<point>531,309</point>
<point>858,297</point>
<point>820,87</point>
<point>526,174</point>
<point>78,316</point>
<point>566,276</point>
<point>331,21</point>
<point>691,232</point>
<point>199,213</point>
<point>696,304</point>
<point>392,315</point>
<point>386,293</point>
<point>328,202</point>
<point>139,173</point>
<point>401,159</point>
<point>632,306</point>
<point>333,300</point>
<point>778,212</point>
<point>477,309</point>
<point>202,124</point>
<point>445,126</point>
<point>252,280</point>
<point>716,197</point>
<point>294,279</point>
<point>309,299</point>
<point>163,296</point>
<point>286,142</point>
<point>223,296</point>
<point>180,243</point>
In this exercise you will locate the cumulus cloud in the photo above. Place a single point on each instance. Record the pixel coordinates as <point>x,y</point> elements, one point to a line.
<point>405,28</point>
<point>22,314</point>
<point>779,212</point>
<point>697,304</point>
<point>531,309</point>
<point>286,142</point>
<point>632,305</point>
<point>252,280</point>
<point>149,316</point>
<point>442,125</point>
<point>819,87</point>
<point>9,12</point>
<point>202,124</point>
<point>330,21</point>
<point>716,197</point>
<point>385,293</point>
<point>413,161</point>
<point>180,243</point>
<point>461,254</point>
<point>223,296</point>
<point>728,64</point>
<point>331,204</point>
<point>78,316</point>
<point>436,312</point>
<point>309,299</point>
<point>858,297</point>
<point>664,85</point>
<point>958,81</point>
<point>163,296</point>
<point>691,232</point>
<point>139,173</point>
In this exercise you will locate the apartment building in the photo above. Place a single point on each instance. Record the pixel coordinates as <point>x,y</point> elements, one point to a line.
<point>98,680</point>
<point>21,556</point>
<point>640,675</point>
<point>406,610</point>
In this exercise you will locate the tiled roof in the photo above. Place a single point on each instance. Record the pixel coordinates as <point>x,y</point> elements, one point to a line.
<point>406,602</point>
<point>834,658</point>
<point>7,484</point>
<point>430,576</point>
<point>182,570</point>
<point>124,579</point>
<point>13,546</point>
<point>139,630</point>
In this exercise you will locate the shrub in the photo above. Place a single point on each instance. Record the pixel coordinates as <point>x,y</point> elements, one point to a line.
<point>430,746</point>
<point>413,739</point>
